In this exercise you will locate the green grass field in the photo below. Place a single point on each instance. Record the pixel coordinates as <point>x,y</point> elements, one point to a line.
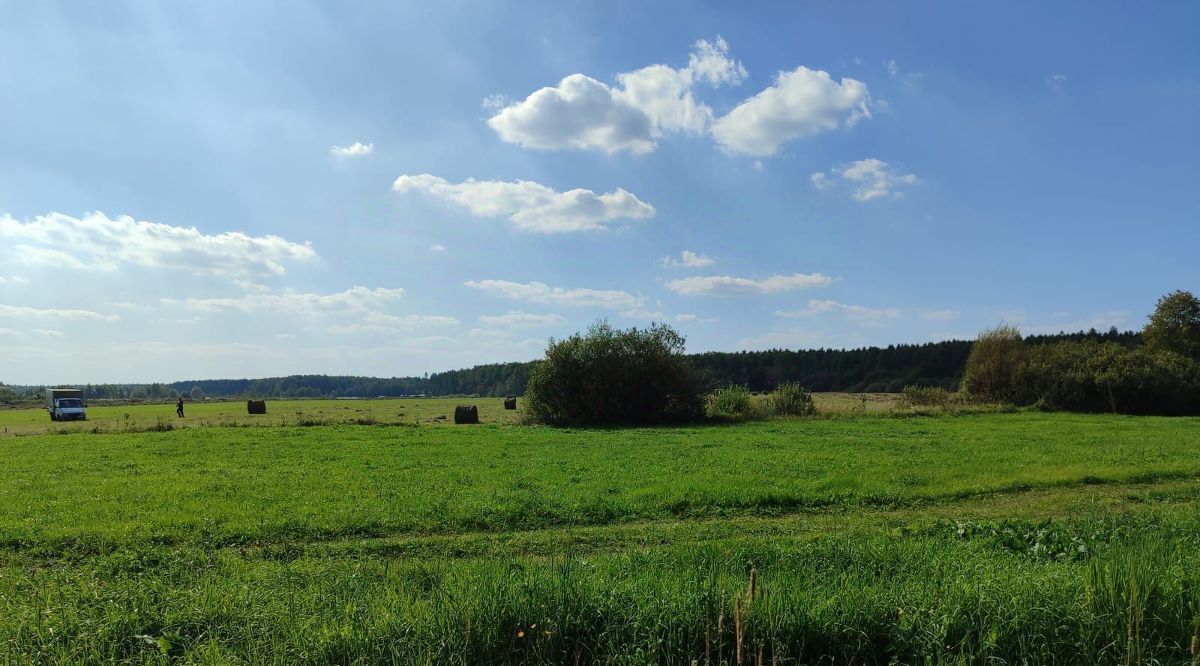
<point>983,538</point>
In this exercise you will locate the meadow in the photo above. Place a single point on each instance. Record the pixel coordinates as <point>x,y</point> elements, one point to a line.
<point>333,535</point>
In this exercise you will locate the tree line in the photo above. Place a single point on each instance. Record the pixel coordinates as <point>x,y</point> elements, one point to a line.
<point>867,369</point>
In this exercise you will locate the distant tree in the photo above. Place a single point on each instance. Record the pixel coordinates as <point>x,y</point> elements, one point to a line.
<point>996,358</point>
<point>196,393</point>
<point>611,377</point>
<point>1175,325</point>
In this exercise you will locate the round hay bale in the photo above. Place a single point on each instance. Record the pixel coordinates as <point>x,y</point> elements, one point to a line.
<point>510,402</point>
<point>256,406</point>
<point>466,414</point>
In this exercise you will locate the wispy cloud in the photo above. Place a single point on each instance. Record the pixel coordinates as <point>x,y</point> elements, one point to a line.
<point>857,313</point>
<point>539,292</point>
<point>97,242</point>
<point>519,319</point>
<point>24,311</point>
<point>532,206</point>
<point>868,179</point>
<point>718,284</point>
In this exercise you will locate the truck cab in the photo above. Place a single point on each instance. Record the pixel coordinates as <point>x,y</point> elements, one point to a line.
<point>66,404</point>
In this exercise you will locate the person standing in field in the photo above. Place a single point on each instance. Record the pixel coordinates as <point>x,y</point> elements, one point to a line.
<point>179,407</point>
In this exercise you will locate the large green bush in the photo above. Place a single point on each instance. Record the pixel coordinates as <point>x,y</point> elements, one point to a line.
<point>996,358</point>
<point>1089,376</point>
<point>791,399</point>
<point>733,403</point>
<point>615,377</point>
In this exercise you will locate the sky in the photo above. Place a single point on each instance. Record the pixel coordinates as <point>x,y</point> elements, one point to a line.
<point>221,189</point>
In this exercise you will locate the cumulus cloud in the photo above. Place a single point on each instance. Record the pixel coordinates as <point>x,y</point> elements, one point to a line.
<point>23,311</point>
<point>725,284</point>
<point>538,292</point>
<point>97,242</point>
<point>355,299</point>
<point>355,149</point>
<point>517,319</point>
<point>688,259</point>
<point>856,313</point>
<point>867,179</point>
<point>802,102</point>
<point>531,206</point>
<point>582,113</point>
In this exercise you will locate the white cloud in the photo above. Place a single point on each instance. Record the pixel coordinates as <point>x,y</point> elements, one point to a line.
<point>9,331</point>
<point>582,113</point>
<point>869,179</point>
<point>856,313</point>
<point>493,103</point>
<point>657,316</point>
<point>53,313</point>
<point>689,259</point>
<point>802,102</point>
<point>532,206</point>
<point>437,247</point>
<point>99,243</point>
<point>717,284</point>
<point>940,315</point>
<point>519,319</point>
<point>538,292</point>
<point>1056,82</point>
<point>354,299</point>
<point>12,280</point>
<point>379,322</point>
<point>892,68</point>
<point>46,333</point>
<point>355,149</point>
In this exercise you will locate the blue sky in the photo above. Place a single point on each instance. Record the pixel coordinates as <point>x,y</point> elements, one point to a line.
<point>234,189</point>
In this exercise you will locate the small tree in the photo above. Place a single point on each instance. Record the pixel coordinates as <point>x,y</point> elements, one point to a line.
<point>1175,325</point>
<point>611,377</point>
<point>993,365</point>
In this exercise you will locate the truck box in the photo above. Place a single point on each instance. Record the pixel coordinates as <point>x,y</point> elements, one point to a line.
<point>65,404</point>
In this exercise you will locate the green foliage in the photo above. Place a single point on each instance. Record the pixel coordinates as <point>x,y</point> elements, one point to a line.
<point>927,396</point>
<point>733,404</point>
<point>615,377</point>
<point>1036,540</point>
<point>992,367</point>
<point>791,399</point>
<point>1106,377</point>
<point>1174,326</point>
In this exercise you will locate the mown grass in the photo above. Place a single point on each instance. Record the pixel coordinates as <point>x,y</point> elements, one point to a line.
<point>872,539</point>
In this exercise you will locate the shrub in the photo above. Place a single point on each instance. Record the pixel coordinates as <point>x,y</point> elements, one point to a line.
<point>614,377</point>
<point>791,399</point>
<point>992,367</point>
<point>733,403</point>
<point>926,396</point>
<point>1089,376</point>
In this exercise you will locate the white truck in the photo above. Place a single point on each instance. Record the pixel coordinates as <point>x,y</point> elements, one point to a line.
<point>66,404</point>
